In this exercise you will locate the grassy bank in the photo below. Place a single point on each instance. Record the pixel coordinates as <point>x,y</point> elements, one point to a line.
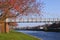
<point>16,36</point>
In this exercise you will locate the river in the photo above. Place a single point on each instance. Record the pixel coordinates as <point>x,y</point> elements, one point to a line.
<point>43,35</point>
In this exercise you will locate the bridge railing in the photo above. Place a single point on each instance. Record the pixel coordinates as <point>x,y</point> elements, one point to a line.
<point>34,20</point>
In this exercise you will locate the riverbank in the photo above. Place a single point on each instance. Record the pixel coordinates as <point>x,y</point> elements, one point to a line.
<point>42,34</point>
<point>16,36</point>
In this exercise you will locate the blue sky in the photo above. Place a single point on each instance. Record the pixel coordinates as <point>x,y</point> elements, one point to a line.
<point>51,10</point>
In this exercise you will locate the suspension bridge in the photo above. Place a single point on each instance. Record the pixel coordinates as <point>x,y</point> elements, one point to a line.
<point>32,20</point>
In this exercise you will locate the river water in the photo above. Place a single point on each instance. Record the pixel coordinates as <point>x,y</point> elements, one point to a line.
<point>43,35</point>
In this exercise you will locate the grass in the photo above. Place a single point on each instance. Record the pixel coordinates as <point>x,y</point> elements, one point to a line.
<point>16,36</point>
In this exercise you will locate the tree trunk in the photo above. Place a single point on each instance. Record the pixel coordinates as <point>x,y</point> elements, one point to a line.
<point>4,27</point>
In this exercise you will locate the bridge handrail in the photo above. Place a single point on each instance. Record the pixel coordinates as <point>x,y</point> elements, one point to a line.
<point>33,20</point>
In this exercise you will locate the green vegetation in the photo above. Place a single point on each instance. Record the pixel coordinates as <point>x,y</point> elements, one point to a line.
<point>16,36</point>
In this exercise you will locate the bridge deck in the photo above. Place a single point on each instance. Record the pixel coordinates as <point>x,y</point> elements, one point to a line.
<point>34,20</point>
